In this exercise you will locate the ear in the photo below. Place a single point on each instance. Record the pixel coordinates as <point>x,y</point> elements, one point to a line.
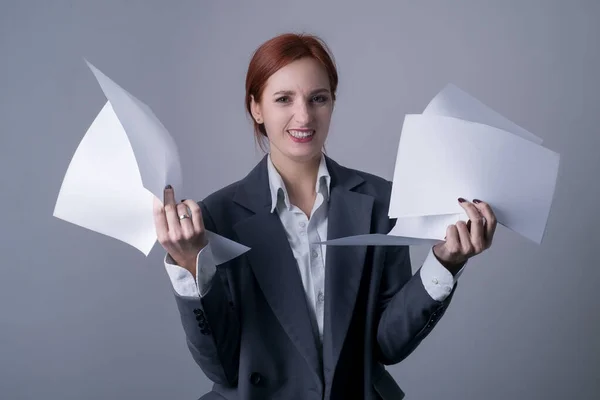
<point>256,110</point>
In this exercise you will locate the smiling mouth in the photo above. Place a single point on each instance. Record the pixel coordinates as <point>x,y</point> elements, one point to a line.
<point>301,134</point>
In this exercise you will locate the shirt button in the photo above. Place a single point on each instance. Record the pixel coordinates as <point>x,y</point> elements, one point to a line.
<point>314,254</point>
<point>435,281</point>
<point>302,224</point>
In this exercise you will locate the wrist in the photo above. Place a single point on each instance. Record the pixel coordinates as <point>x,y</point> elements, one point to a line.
<point>453,266</point>
<point>189,265</point>
<point>191,268</point>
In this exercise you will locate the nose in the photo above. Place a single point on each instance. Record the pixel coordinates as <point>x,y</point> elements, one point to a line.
<point>303,113</point>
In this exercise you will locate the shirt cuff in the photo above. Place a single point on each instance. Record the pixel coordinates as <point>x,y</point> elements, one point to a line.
<point>182,280</point>
<point>437,280</point>
<point>206,268</point>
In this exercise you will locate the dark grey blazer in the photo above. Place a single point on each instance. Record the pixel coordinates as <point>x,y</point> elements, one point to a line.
<point>251,333</point>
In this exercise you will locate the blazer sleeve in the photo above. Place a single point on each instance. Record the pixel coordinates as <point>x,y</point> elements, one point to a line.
<point>211,324</point>
<point>406,311</point>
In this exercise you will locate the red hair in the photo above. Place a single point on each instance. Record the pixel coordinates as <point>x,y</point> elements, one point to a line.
<point>278,52</point>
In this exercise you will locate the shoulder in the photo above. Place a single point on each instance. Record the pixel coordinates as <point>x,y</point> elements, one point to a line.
<point>221,195</point>
<point>223,198</point>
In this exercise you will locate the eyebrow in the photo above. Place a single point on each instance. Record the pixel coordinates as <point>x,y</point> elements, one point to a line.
<point>291,92</point>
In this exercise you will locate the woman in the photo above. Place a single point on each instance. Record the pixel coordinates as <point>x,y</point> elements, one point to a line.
<point>288,319</point>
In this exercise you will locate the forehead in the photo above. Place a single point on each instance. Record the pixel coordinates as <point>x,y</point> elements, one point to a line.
<point>302,75</point>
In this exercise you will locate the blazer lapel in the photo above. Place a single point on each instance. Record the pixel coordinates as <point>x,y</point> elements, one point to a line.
<point>349,214</point>
<point>273,263</point>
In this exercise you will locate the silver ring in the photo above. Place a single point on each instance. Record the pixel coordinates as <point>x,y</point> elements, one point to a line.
<point>183,216</point>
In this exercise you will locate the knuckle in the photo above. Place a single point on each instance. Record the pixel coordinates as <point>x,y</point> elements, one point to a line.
<point>453,249</point>
<point>196,211</point>
<point>175,237</point>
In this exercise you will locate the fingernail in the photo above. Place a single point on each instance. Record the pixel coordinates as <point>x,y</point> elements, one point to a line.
<point>476,201</point>
<point>469,225</point>
<point>183,200</point>
<point>461,200</point>
<point>167,187</point>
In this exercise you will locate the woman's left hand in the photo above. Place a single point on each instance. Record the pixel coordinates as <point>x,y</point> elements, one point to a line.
<point>465,240</point>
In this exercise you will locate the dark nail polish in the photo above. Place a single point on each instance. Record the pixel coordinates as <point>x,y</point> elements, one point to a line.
<point>167,187</point>
<point>183,200</point>
<point>476,201</point>
<point>461,200</point>
<point>469,225</point>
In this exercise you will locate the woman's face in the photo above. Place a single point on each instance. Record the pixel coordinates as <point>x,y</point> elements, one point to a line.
<point>296,108</point>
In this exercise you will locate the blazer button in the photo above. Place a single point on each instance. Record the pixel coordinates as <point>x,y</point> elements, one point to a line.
<point>198,311</point>
<point>255,378</point>
<point>205,331</point>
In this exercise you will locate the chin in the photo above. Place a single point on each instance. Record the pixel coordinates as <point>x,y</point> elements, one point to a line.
<point>303,155</point>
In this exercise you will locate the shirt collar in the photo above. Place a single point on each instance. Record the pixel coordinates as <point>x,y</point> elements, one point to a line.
<point>279,192</point>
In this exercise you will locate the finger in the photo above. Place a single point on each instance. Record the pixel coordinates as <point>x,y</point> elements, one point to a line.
<point>160,220</point>
<point>476,226</point>
<point>465,238</point>
<point>452,240</point>
<point>187,226</point>
<point>486,210</point>
<point>172,220</point>
<point>197,220</point>
<point>169,195</point>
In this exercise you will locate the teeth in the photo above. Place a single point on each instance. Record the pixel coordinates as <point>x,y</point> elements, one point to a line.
<point>301,135</point>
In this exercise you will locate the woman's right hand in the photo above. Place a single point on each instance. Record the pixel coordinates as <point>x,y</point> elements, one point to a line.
<point>181,238</point>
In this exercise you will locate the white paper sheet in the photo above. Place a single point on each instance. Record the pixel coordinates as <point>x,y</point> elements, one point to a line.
<point>535,200</point>
<point>154,148</point>
<point>442,158</point>
<point>452,101</point>
<point>426,226</point>
<point>125,159</point>
<point>377,239</point>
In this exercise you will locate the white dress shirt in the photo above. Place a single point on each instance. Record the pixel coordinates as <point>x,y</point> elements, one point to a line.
<point>301,231</point>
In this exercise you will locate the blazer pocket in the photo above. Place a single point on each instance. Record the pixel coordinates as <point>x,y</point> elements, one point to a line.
<point>386,387</point>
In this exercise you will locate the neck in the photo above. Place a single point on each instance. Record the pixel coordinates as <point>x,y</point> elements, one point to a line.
<point>299,176</point>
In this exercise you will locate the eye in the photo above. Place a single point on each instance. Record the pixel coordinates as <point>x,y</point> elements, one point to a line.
<point>320,99</point>
<point>282,99</point>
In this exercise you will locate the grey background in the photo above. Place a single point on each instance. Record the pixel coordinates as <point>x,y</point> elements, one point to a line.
<point>84,316</point>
